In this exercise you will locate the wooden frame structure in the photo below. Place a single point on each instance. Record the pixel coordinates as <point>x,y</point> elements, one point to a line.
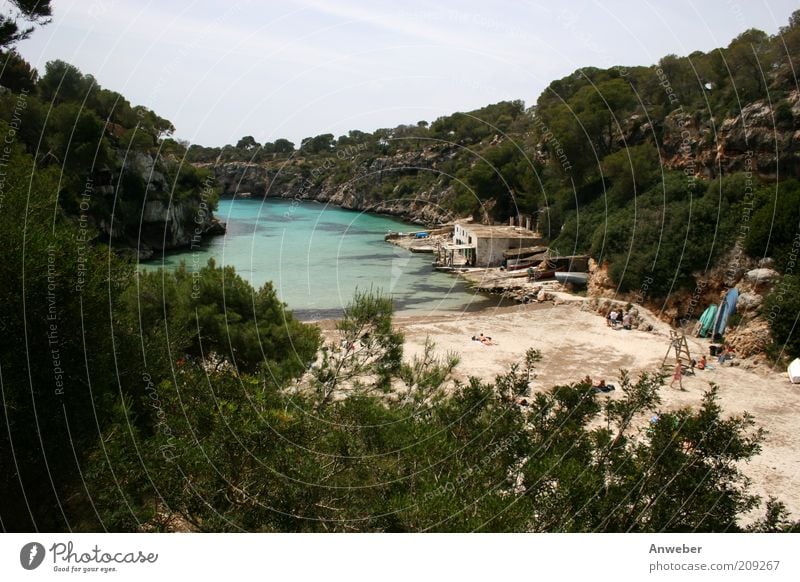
<point>679,347</point>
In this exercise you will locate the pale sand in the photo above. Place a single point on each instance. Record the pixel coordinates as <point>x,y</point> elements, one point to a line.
<point>575,343</point>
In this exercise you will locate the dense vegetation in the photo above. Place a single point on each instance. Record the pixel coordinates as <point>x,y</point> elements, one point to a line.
<point>239,453</point>
<point>84,338</point>
<point>111,157</point>
<point>192,401</point>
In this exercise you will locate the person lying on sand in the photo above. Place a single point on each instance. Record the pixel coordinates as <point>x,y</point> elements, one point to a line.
<point>484,339</point>
<point>601,386</point>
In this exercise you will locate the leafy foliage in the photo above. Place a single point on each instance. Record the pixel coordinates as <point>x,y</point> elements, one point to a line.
<point>110,154</point>
<point>238,453</point>
<point>59,367</point>
<point>86,342</point>
<point>155,433</point>
<point>782,309</point>
<point>22,11</point>
<point>774,229</point>
<point>218,312</point>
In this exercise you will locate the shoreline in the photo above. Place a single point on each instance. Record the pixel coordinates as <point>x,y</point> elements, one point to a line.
<point>407,317</point>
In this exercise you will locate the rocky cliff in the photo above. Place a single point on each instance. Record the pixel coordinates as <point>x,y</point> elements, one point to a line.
<point>358,182</point>
<point>763,138</point>
<point>156,222</point>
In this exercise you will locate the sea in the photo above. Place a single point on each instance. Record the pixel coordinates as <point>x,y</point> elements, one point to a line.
<point>317,256</point>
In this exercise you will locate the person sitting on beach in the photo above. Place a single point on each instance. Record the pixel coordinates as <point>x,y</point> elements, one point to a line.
<point>627,321</point>
<point>485,340</point>
<point>725,355</point>
<point>701,364</point>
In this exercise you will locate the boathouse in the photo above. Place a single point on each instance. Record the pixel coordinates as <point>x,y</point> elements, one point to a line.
<point>483,245</point>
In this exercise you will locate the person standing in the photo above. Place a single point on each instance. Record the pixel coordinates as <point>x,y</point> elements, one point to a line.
<point>677,375</point>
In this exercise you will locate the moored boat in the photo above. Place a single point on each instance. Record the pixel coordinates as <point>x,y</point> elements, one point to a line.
<point>572,277</point>
<point>794,371</point>
<point>514,264</point>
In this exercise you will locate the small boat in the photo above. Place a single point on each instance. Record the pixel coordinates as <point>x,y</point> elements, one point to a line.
<point>543,275</point>
<point>794,371</point>
<point>514,264</point>
<point>570,263</point>
<point>575,278</point>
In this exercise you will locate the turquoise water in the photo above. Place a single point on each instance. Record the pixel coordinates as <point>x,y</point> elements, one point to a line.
<point>317,256</point>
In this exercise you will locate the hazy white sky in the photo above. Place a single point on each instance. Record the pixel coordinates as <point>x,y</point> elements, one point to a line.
<point>220,70</point>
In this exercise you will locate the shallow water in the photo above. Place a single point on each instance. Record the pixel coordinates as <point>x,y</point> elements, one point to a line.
<point>318,255</point>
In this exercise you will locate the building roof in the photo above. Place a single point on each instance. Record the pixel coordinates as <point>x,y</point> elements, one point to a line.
<point>498,231</point>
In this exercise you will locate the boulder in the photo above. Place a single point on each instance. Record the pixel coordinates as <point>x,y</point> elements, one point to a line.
<point>761,276</point>
<point>749,302</point>
<point>767,263</point>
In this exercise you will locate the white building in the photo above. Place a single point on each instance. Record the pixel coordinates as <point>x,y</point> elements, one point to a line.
<point>483,246</point>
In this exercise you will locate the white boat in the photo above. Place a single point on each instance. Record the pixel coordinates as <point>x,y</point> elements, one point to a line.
<point>794,371</point>
<point>573,277</point>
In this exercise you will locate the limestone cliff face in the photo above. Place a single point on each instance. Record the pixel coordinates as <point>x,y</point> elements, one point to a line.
<point>760,138</point>
<point>753,278</point>
<point>158,222</point>
<point>164,226</point>
<point>764,138</point>
<point>357,183</point>
<point>170,226</point>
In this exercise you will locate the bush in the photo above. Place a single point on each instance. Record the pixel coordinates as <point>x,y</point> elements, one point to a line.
<point>215,310</point>
<point>782,308</point>
<point>775,226</point>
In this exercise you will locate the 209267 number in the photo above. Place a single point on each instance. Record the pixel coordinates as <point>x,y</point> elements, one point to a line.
<point>749,565</point>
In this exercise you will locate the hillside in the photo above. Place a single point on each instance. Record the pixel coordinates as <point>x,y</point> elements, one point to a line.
<point>666,175</point>
<point>677,178</point>
<point>121,177</point>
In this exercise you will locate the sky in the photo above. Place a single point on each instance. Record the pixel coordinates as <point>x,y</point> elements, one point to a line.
<point>292,69</point>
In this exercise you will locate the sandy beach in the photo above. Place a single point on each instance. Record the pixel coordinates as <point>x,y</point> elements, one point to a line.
<point>575,342</point>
